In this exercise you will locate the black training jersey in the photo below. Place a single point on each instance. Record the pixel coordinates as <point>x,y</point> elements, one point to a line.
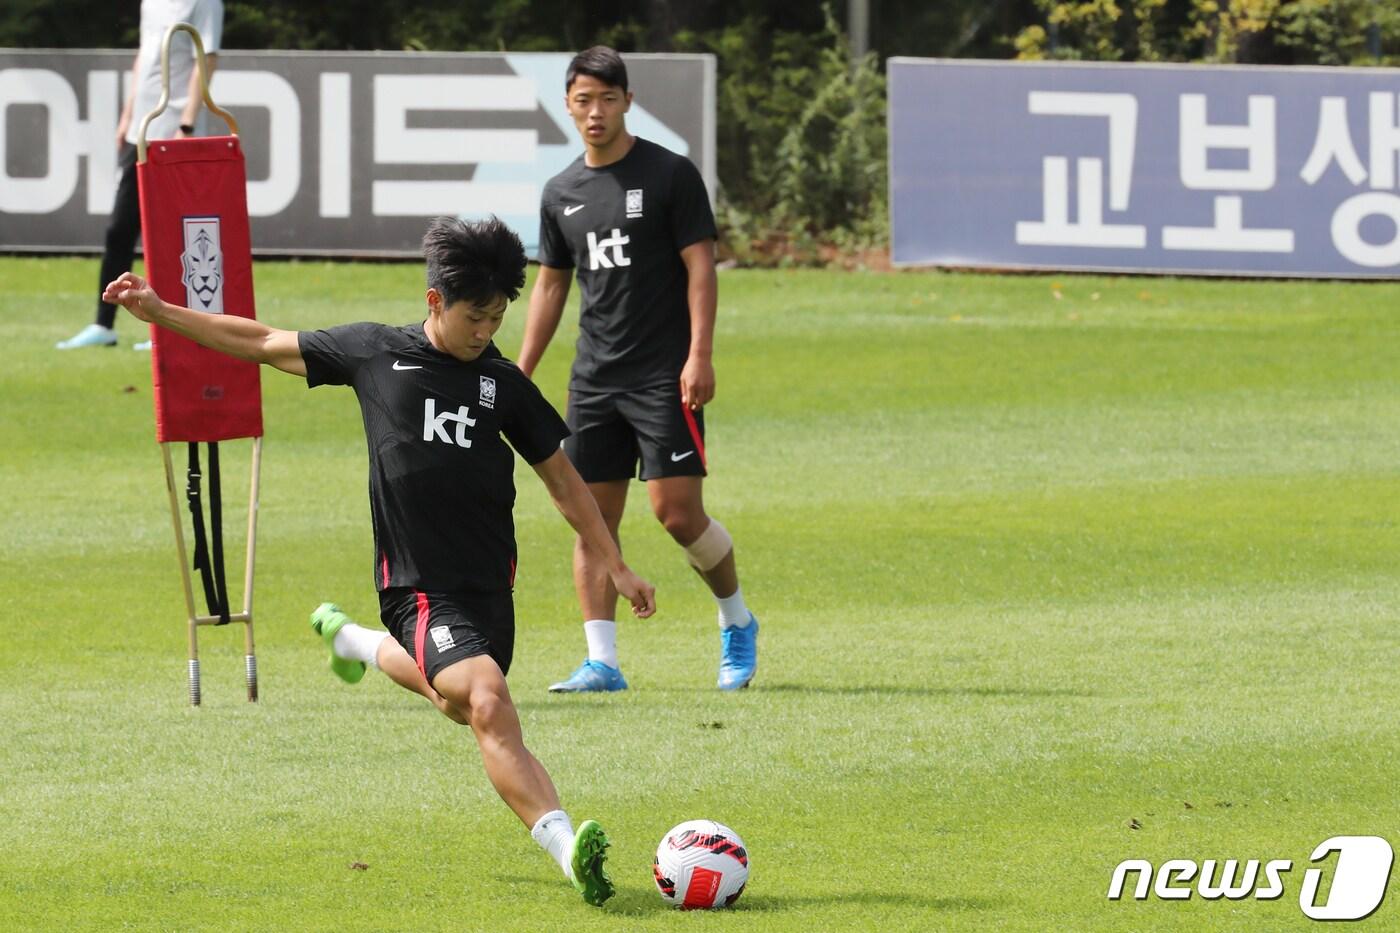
<point>623,226</point>
<point>441,488</point>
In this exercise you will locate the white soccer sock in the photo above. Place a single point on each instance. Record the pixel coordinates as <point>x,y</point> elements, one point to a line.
<point>358,643</point>
<point>732,611</point>
<point>555,834</point>
<point>602,640</point>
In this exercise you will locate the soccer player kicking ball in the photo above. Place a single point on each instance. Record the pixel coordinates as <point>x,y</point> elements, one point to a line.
<point>633,218</point>
<point>436,399</point>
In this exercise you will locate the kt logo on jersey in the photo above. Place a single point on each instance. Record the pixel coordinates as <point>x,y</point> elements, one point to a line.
<point>598,257</point>
<point>435,424</point>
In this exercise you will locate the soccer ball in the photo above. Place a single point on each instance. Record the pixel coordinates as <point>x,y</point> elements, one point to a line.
<point>701,864</point>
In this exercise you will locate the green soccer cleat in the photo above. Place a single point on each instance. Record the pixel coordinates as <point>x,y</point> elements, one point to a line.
<point>586,863</point>
<point>326,621</point>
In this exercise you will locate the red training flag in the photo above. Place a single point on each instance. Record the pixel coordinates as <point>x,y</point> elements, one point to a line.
<point>199,254</point>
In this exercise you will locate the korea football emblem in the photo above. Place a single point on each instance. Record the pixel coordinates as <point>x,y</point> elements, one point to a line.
<point>488,392</point>
<point>202,265</point>
<point>634,202</point>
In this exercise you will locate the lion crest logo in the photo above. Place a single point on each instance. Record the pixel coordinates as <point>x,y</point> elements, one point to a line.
<point>202,265</point>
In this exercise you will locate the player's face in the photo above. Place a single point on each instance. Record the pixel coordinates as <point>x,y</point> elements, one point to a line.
<point>464,329</point>
<point>598,110</point>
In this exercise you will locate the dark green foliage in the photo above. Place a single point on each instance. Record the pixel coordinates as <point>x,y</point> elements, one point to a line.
<point>1261,32</point>
<point>68,24</point>
<point>801,142</point>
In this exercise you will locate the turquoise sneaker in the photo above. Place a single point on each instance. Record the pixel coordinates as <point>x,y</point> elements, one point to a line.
<point>586,860</point>
<point>738,655</point>
<point>326,621</point>
<point>94,335</point>
<point>591,677</point>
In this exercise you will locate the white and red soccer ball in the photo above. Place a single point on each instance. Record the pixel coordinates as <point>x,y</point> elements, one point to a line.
<point>701,864</point>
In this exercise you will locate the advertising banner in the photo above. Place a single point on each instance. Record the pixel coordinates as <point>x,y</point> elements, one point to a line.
<point>348,153</point>
<point>1154,168</point>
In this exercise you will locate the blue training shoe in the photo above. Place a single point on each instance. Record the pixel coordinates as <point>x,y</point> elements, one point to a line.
<point>591,677</point>
<point>738,655</point>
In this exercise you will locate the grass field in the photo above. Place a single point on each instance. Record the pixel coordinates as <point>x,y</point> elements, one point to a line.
<point>1053,573</point>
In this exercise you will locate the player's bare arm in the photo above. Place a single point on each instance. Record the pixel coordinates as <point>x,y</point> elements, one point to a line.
<point>124,122</point>
<point>702,293</point>
<point>239,337</point>
<point>542,320</point>
<point>194,94</point>
<point>576,503</point>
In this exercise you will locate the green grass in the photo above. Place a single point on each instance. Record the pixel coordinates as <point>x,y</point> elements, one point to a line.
<point>1035,558</point>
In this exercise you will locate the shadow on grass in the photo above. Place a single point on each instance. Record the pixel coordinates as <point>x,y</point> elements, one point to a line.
<point>564,703</point>
<point>633,901</point>
<point>934,691</point>
<point>778,902</point>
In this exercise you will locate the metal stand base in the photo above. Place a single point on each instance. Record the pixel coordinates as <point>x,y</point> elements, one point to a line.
<point>246,616</point>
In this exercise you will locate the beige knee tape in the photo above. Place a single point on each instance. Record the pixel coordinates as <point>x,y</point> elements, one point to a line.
<point>706,551</point>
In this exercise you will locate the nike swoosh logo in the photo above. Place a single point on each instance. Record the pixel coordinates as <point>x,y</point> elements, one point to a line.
<point>401,367</point>
<point>570,211</point>
<point>676,458</point>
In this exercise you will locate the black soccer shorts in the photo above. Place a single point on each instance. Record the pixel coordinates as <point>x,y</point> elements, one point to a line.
<point>438,629</point>
<point>614,431</point>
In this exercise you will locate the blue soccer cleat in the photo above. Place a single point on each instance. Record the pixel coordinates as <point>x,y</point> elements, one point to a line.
<point>591,677</point>
<point>94,335</point>
<point>738,655</point>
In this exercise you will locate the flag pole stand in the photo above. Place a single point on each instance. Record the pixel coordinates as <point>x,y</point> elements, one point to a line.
<point>194,619</point>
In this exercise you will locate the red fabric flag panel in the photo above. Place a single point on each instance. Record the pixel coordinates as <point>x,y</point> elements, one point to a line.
<point>194,227</point>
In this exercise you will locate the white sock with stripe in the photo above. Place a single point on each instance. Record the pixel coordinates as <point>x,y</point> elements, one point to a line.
<point>732,611</point>
<point>358,643</point>
<point>602,640</point>
<point>555,834</point>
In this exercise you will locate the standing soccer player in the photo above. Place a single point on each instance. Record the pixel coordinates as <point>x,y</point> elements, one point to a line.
<point>178,121</point>
<point>437,397</point>
<point>634,220</point>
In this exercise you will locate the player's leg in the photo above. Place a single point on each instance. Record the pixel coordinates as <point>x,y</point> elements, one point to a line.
<point>123,227</point>
<point>463,646</point>
<point>597,599</point>
<point>678,504</point>
<point>396,664</point>
<point>477,687</point>
<point>354,648</point>
<point>671,440</point>
<point>603,450</point>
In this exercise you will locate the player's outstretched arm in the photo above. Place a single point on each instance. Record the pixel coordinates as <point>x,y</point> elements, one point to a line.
<point>242,337</point>
<point>542,320</point>
<point>573,499</point>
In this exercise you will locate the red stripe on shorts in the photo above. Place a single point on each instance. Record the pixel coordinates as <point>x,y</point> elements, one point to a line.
<point>420,632</point>
<point>695,434</point>
<point>384,564</point>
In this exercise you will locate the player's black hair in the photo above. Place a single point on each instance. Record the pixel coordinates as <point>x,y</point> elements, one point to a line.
<point>598,62</point>
<point>474,260</point>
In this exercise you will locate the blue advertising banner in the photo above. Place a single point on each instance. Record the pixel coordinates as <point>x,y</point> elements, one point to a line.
<point>1145,168</point>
